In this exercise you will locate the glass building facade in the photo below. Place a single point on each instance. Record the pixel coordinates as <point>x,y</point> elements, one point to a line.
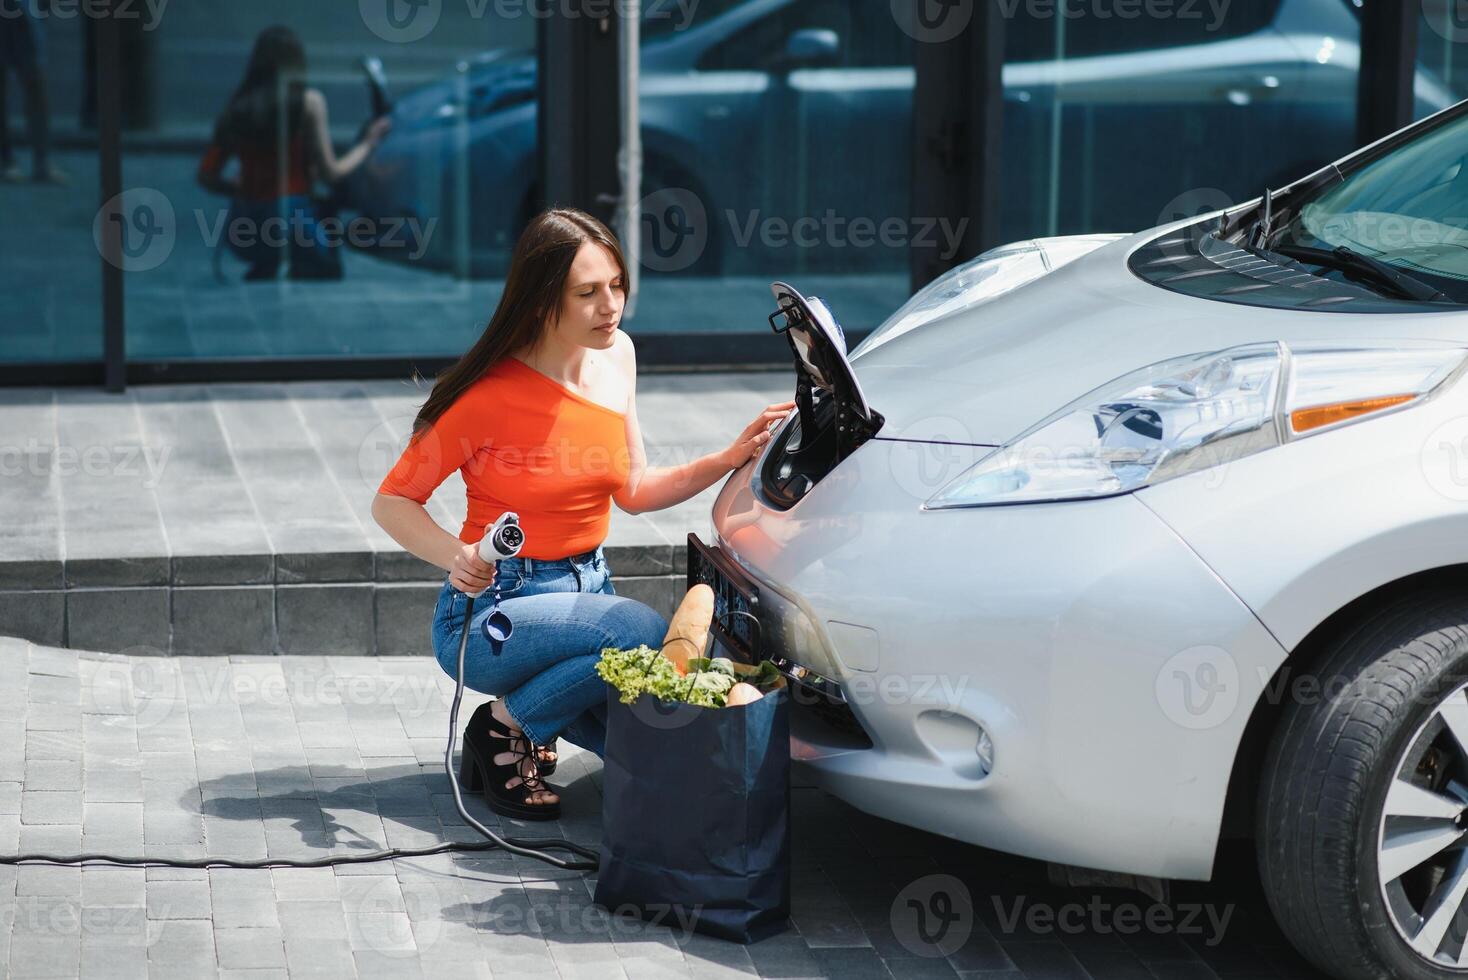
<point>777,143</point>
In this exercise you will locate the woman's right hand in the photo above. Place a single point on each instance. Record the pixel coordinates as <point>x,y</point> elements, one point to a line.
<point>471,574</point>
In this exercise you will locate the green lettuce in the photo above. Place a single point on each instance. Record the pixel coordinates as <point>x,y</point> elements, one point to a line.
<point>643,670</point>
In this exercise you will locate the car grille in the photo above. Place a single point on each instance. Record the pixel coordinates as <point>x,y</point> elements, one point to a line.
<point>739,629</point>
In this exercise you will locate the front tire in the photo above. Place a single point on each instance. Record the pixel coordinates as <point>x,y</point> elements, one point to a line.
<point>1363,801</point>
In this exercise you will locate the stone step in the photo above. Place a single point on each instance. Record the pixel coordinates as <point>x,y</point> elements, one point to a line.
<point>373,603</point>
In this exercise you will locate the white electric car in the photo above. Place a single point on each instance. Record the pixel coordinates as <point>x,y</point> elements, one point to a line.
<point>1101,548</point>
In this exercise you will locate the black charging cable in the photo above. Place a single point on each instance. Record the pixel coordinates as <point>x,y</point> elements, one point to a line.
<point>535,848</point>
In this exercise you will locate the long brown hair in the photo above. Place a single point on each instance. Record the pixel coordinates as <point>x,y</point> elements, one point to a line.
<point>274,86</point>
<point>532,297</point>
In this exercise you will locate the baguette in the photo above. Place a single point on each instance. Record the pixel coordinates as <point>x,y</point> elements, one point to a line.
<point>688,631</point>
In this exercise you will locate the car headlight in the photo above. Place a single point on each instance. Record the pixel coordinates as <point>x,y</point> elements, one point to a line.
<point>1194,412</point>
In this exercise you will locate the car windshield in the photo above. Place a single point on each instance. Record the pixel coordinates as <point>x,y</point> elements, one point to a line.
<point>1408,209</point>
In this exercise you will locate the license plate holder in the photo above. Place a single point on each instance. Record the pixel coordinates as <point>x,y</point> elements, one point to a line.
<point>736,625</point>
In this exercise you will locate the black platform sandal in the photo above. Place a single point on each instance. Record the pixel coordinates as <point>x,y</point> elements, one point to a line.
<point>479,773</point>
<point>544,767</point>
<point>481,720</point>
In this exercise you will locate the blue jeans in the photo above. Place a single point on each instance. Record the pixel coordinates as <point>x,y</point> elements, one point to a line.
<point>286,226</point>
<point>563,612</point>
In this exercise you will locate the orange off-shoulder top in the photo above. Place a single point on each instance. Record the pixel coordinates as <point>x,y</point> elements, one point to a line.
<point>524,443</point>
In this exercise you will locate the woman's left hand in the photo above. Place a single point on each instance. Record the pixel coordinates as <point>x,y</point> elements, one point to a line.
<point>378,130</point>
<point>755,435</point>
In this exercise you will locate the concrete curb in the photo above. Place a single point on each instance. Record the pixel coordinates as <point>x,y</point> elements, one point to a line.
<point>365,603</point>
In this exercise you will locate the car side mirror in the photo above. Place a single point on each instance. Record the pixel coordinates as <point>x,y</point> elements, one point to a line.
<point>812,47</point>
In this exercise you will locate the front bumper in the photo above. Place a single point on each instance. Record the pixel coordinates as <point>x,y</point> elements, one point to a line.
<point>1113,671</point>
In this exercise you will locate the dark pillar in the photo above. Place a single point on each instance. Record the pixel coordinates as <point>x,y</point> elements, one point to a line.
<point>579,112</point>
<point>1388,65</point>
<point>109,141</point>
<point>958,119</point>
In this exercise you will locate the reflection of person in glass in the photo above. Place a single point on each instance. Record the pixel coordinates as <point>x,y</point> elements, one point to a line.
<point>22,52</point>
<point>277,127</point>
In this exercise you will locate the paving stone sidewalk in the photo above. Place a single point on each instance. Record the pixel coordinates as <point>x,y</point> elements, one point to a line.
<point>301,757</point>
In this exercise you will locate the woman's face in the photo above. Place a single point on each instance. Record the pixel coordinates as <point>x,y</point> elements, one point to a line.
<point>591,304</point>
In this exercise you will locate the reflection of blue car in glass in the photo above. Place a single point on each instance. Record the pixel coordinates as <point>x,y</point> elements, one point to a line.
<point>761,110</point>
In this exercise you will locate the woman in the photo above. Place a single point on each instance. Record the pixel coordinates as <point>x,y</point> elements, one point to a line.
<point>540,417</point>
<point>278,129</point>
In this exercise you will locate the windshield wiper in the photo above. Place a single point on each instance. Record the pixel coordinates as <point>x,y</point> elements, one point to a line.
<point>1364,267</point>
<point>1259,233</point>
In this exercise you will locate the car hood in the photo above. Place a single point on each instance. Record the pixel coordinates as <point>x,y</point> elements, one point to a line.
<point>983,376</point>
<point>495,80</point>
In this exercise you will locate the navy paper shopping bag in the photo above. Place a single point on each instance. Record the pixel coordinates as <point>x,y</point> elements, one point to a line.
<point>696,815</point>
